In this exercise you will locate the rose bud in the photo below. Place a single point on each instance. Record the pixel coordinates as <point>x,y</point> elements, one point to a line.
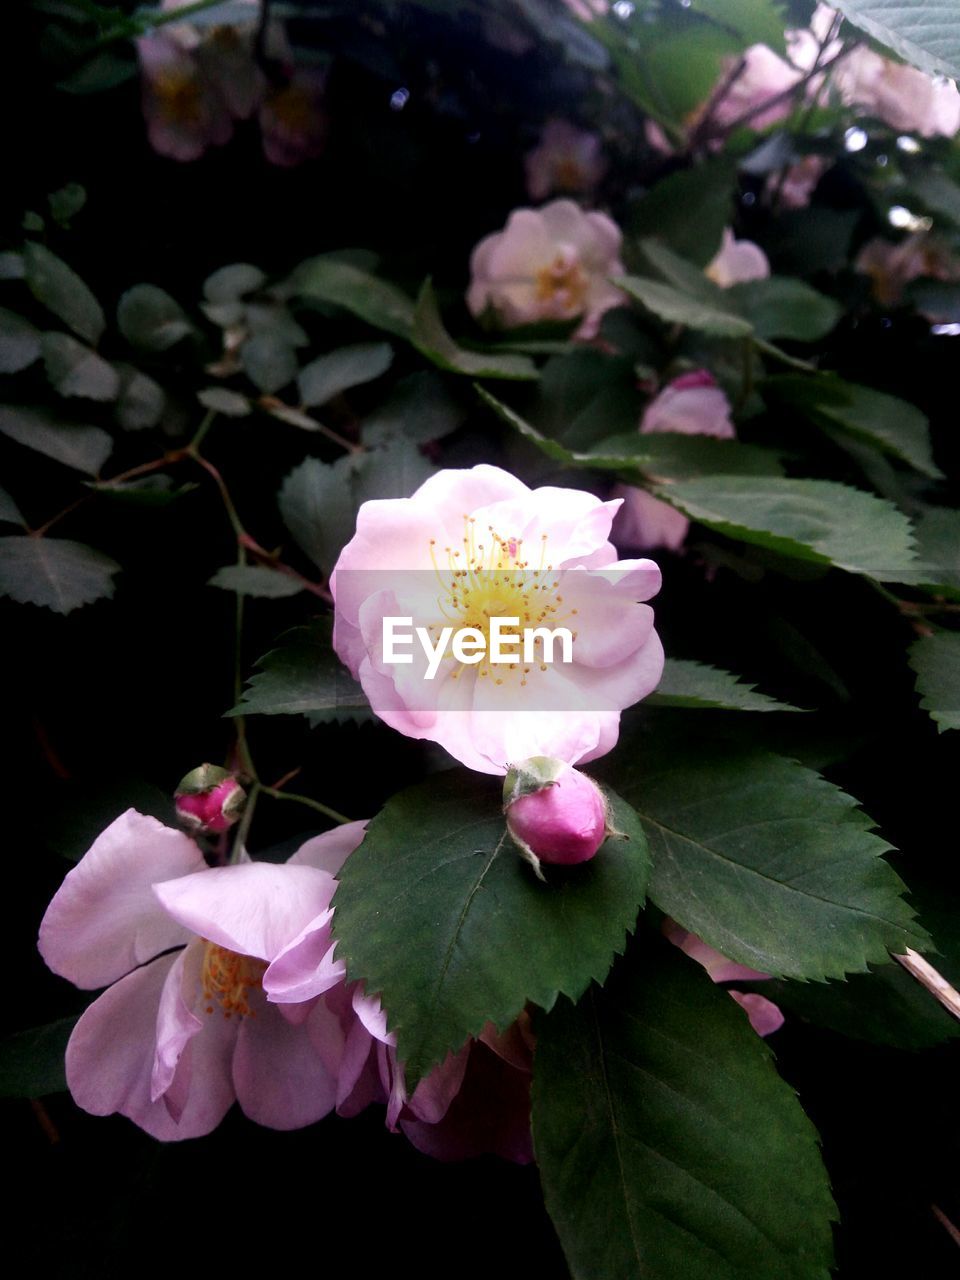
<point>554,813</point>
<point>209,799</point>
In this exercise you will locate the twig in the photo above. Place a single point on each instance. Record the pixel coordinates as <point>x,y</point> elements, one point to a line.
<point>932,980</point>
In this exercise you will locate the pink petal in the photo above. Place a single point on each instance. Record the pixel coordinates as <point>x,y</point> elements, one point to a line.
<point>280,1079</point>
<point>306,967</point>
<point>254,908</point>
<point>328,852</point>
<point>765,1017</point>
<point>110,1058</point>
<point>104,919</point>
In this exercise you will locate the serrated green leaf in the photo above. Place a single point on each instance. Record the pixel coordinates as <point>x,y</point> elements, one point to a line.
<point>695,684</point>
<point>817,520</point>
<point>32,1061</point>
<point>668,1146</point>
<point>9,511</point>
<point>923,32</point>
<point>150,319</point>
<point>319,501</point>
<point>657,455</point>
<point>75,370</point>
<point>782,307</point>
<point>893,425</point>
<point>670,304</point>
<point>765,860</point>
<point>221,400</point>
<point>256,580</point>
<point>62,291</point>
<point>380,304</point>
<point>936,661</point>
<point>19,342</point>
<point>438,913</point>
<point>689,209</point>
<point>419,408</point>
<point>431,339</point>
<point>85,449</point>
<point>339,370</point>
<point>232,282</point>
<point>268,361</point>
<point>55,573</point>
<point>303,676</point>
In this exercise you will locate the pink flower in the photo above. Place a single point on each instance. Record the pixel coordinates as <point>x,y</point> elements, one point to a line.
<point>794,188</point>
<point>554,812</point>
<point>765,79</point>
<point>189,955</point>
<point>474,545</point>
<point>548,264</point>
<point>736,261</point>
<point>293,120</point>
<point>184,112</point>
<point>475,1102</point>
<point>764,1015</point>
<point>891,267</point>
<point>692,404</point>
<point>902,97</point>
<point>565,159</point>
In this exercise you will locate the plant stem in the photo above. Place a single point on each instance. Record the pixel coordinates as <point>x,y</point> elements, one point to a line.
<point>310,803</point>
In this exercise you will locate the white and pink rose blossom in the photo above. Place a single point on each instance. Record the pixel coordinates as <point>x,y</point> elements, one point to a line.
<point>552,263</point>
<point>471,544</point>
<point>692,404</point>
<point>565,159</point>
<point>192,957</point>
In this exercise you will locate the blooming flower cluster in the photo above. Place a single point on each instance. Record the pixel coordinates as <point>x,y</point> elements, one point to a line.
<point>196,82</point>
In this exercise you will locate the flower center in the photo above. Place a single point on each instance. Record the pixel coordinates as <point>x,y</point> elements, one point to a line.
<point>293,109</point>
<point>494,579</point>
<point>228,978</point>
<point>568,174</point>
<point>563,284</point>
<point>178,97</point>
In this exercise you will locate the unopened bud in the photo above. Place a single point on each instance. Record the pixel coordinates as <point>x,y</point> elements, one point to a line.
<point>554,813</point>
<point>209,799</point>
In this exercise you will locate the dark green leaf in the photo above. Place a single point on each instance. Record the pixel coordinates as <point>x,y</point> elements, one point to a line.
<point>255,580</point>
<point>11,266</point>
<point>55,573</point>
<point>9,511</point>
<point>31,1062</point>
<point>419,408</point>
<point>150,319</point>
<point>75,370</point>
<point>430,338</point>
<point>268,361</point>
<point>62,291</point>
<point>892,425</point>
<point>816,520</point>
<point>694,684</point>
<point>781,307</point>
<point>330,279</point>
<point>141,401</point>
<point>221,400</point>
<point>230,283</point>
<point>768,862</point>
<point>936,660</point>
<point>437,912</point>
<point>675,307</point>
<point>67,202</point>
<point>339,370</point>
<point>689,209</point>
<point>304,677</point>
<point>83,448</point>
<point>753,21</point>
<point>19,342</point>
<point>668,1146</point>
<point>923,32</point>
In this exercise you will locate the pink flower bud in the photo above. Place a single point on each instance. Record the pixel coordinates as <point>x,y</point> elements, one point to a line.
<point>209,799</point>
<point>554,813</point>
